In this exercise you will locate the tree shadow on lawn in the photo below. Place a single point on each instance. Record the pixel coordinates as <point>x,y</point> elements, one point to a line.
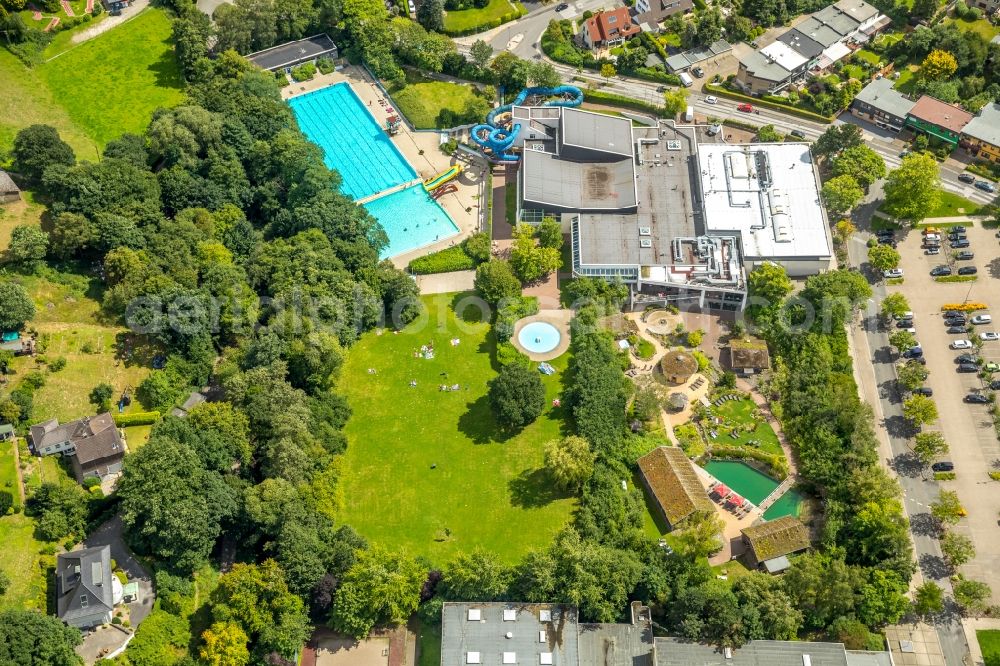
<point>479,425</point>
<point>533,489</point>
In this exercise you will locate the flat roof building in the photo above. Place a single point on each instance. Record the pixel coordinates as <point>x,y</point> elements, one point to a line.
<point>880,103</point>
<point>768,195</point>
<point>293,54</point>
<point>681,62</point>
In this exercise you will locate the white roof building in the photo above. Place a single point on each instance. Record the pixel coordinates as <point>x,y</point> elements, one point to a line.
<point>784,55</point>
<point>768,195</point>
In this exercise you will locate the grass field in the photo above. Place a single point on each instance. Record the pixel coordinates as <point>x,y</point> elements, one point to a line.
<point>989,643</point>
<point>982,26</point>
<point>868,56</point>
<point>8,471</point>
<point>906,83</point>
<point>954,204</point>
<point>422,100</point>
<point>854,72</point>
<point>467,19</point>
<point>738,412</point>
<point>488,489</point>
<point>24,563</point>
<point>94,92</point>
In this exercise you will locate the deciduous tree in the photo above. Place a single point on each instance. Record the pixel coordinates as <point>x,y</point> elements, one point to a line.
<point>913,190</point>
<point>517,396</point>
<point>28,244</point>
<point>770,282</point>
<point>928,445</point>
<point>31,638</point>
<point>928,599</point>
<point>920,410</point>
<point>38,147</point>
<point>225,644</point>
<point>861,163</point>
<point>938,65</point>
<point>430,14</point>
<point>608,71</point>
<point>895,304</point>
<point>569,461</point>
<point>675,101</point>
<point>973,595</point>
<point>16,307</point>
<point>883,257</point>
<point>947,508</point>
<point>380,588</point>
<point>478,574</point>
<point>957,549</point>
<point>480,53</point>
<point>840,195</point>
<point>495,281</point>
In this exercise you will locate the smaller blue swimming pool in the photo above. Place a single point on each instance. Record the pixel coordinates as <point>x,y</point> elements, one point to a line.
<point>411,219</point>
<point>539,337</point>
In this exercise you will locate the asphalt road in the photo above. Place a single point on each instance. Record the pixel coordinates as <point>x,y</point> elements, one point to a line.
<point>878,379</point>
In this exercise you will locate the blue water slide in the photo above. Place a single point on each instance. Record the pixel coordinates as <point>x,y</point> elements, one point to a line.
<point>500,139</point>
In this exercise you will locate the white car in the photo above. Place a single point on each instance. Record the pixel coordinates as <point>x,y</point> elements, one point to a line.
<point>961,344</point>
<point>982,319</point>
<point>711,99</point>
<point>893,273</point>
<point>989,336</point>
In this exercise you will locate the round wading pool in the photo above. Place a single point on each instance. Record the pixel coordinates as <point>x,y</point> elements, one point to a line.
<point>539,337</point>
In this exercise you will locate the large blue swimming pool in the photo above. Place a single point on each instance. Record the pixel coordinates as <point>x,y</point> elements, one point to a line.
<point>336,120</point>
<point>411,219</point>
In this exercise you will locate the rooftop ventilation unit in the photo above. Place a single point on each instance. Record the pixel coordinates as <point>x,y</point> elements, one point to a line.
<point>545,658</point>
<point>472,658</point>
<point>541,637</point>
<point>510,657</point>
<point>645,242</point>
<point>545,615</point>
<point>475,615</point>
<point>645,231</point>
<point>509,614</point>
<point>509,635</point>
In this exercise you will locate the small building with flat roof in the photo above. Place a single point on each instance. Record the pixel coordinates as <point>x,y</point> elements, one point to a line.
<point>671,480</point>
<point>982,134</point>
<point>6,432</point>
<point>702,55</point>
<point>938,119</point>
<point>498,633</point>
<point>880,103</point>
<point>292,54</point>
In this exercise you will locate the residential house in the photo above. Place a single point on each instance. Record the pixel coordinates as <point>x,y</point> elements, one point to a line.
<point>85,587</point>
<point>609,28</point>
<point>9,190</point>
<point>546,634</point>
<point>702,56</point>
<point>193,400</point>
<point>649,13</point>
<point>770,543</point>
<point>748,356</point>
<point>94,445</point>
<point>292,54</point>
<point>938,119</point>
<point>981,136</point>
<point>822,39</point>
<point>883,105</point>
<point>673,484</point>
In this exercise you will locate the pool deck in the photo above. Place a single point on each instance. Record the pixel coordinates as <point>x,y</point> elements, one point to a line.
<point>421,150</point>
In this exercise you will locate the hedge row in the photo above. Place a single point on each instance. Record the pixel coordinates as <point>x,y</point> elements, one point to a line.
<point>740,124</point>
<point>136,419</point>
<point>443,261</point>
<point>785,108</point>
<point>518,12</point>
<point>601,97</point>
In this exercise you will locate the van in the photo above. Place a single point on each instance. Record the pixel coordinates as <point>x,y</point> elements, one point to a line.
<point>689,115</point>
<point>686,79</point>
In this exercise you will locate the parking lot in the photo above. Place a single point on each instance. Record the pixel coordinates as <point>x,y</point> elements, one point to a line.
<point>968,428</point>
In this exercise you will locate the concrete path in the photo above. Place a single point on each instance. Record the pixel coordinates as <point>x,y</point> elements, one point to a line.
<point>106,24</point>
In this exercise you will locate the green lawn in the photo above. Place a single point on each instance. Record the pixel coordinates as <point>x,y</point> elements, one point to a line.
<point>488,489</point>
<point>989,643</point>
<point>8,471</point>
<point>468,19</point>
<point>670,39</point>
<point>113,83</point>
<point>982,26</point>
<point>428,644</point>
<point>24,563</point>
<point>738,413</point>
<point>854,72</point>
<point>953,205</point>
<point>906,82</point>
<point>422,100</point>
<point>868,56</point>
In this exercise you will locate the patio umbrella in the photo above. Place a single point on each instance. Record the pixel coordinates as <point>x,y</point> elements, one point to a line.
<point>721,490</point>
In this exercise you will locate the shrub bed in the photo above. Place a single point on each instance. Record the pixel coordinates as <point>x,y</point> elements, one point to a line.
<point>136,419</point>
<point>443,261</point>
<point>964,307</point>
<point>956,278</point>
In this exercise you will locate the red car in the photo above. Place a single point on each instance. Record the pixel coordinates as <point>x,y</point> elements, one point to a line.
<point>745,108</point>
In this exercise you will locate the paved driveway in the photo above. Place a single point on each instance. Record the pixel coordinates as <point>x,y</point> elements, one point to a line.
<point>110,533</point>
<point>969,430</point>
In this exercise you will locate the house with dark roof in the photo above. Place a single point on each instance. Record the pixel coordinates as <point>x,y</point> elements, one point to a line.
<point>651,12</point>
<point>85,587</point>
<point>93,444</point>
<point>981,136</point>
<point>701,56</point>
<point>9,191</point>
<point>883,105</point>
<point>609,28</point>
<point>671,480</point>
<point>292,54</point>
<point>938,119</point>
<point>770,543</point>
<point>748,356</point>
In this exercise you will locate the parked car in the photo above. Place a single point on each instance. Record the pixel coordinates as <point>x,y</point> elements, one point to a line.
<point>966,177</point>
<point>968,270</point>
<point>986,186</point>
<point>798,134</point>
<point>893,273</point>
<point>924,390</point>
<point>711,99</point>
<point>745,108</point>
<point>995,385</point>
<point>958,227</point>
<point>956,330</point>
<point>954,236</point>
<point>932,237</point>
<point>560,7</point>
<point>934,249</point>
<point>966,358</point>
<point>967,367</point>
<point>989,336</point>
<point>904,323</point>
<point>992,366</point>
<point>976,398</point>
<point>698,71</point>
<point>913,352</point>
<point>959,244</point>
<point>943,466</point>
<point>965,255</point>
<point>955,319</point>
<point>940,270</point>
<point>961,344</point>
<point>982,319</point>
<point>891,242</point>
